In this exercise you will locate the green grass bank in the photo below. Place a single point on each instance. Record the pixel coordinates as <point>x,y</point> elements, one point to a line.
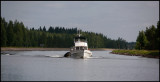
<point>143,53</point>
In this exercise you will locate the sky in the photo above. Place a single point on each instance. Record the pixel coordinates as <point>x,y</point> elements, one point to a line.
<point>111,18</point>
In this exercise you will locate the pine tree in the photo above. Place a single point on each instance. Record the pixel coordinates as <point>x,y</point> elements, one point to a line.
<point>44,29</point>
<point>18,31</point>
<point>10,34</point>
<point>3,35</point>
<point>50,29</point>
<point>19,35</point>
<point>40,28</point>
<point>150,33</point>
<point>141,41</point>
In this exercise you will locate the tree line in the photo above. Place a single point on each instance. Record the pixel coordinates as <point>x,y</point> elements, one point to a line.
<point>15,34</point>
<point>149,39</point>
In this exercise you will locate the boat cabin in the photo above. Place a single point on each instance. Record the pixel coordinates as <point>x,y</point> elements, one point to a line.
<point>80,43</point>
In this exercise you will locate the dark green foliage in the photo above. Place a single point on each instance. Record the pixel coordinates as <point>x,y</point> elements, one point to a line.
<point>17,35</point>
<point>10,34</point>
<point>131,45</point>
<point>122,44</point>
<point>18,31</point>
<point>40,28</point>
<point>157,46</point>
<point>3,33</point>
<point>141,41</point>
<point>62,30</point>
<point>44,29</point>
<point>149,39</point>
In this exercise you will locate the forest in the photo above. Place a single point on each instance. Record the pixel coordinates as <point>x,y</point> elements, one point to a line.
<point>15,34</point>
<point>149,39</point>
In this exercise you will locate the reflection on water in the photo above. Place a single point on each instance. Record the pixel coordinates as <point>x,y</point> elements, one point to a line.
<point>52,66</point>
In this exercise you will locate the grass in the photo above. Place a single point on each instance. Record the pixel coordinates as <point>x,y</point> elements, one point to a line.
<point>144,53</point>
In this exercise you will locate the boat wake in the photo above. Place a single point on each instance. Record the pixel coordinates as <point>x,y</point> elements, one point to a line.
<point>95,57</point>
<point>6,54</point>
<point>50,56</point>
<point>54,56</point>
<point>35,55</point>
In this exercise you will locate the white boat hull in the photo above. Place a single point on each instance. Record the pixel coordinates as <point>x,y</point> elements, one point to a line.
<point>81,54</point>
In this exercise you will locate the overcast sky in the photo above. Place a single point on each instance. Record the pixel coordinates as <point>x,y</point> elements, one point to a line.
<point>112,18</point>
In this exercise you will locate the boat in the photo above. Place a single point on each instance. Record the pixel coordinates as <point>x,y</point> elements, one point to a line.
<point>80,48</point>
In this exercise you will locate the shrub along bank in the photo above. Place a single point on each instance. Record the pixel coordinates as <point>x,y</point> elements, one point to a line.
<point>143,53</point>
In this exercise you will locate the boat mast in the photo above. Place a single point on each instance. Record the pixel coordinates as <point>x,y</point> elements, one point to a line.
<point>78,33</point>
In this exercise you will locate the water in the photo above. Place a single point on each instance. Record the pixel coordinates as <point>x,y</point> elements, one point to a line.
<point>52,66</point>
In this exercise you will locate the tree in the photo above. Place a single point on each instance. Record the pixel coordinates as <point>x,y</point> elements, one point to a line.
<point>3,35</point>
<point>150,33</point>
<point>157,46</point>
<point>44,29</point>
<point>141,41</point>
<point>40,28</point>
<point>18,31</point>
<point>51,30</point>
<point>10,34</point>
<point>43,39</point>
<point>18,35</point>
<point>152,36</point>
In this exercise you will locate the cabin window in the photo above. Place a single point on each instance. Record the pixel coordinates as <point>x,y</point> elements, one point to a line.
<point>81,48</point>
<point>76,40</point>
<point>82,40</point>
<point>77,48</point>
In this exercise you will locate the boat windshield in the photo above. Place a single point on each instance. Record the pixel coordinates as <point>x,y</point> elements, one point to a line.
<point>81,48</point>
<point>82,39</point>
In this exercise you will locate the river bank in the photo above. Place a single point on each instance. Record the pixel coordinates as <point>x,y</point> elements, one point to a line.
<point>33,49</point>
<point>143,53</point>
<point>47,49</point>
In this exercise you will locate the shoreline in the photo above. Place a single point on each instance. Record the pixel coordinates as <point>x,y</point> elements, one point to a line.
<point>49,49</point>
<point>33,49</point>
<point>142,53</point>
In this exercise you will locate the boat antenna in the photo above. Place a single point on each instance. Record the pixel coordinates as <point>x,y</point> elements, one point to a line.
<point>79,33</point>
